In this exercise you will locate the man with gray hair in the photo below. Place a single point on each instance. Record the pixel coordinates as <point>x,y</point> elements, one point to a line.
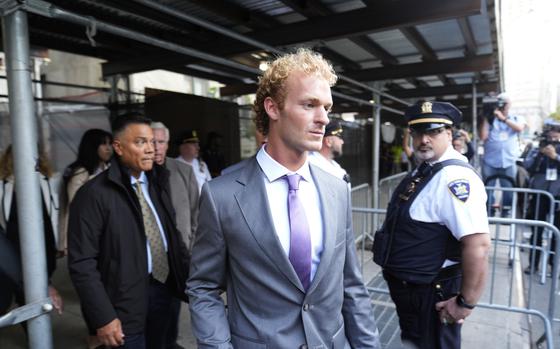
<point>184,197</point>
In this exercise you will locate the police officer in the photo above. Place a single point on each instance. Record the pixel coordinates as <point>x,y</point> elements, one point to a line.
<point>331,149</point>
<point>434,242</point>
<point>543,165</point>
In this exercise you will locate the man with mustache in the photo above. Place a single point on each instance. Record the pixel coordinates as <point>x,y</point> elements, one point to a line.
<point>126,258</point>
<point>434,242</point>
<point>276,233</point>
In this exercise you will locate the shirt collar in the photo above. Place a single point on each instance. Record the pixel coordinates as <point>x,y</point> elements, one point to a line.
<point>142,179</point>
<point>273,170</point>
<point>450,153</point>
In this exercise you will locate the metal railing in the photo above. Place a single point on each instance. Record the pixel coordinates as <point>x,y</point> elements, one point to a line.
<point>529,203</point>
<point>362,197</point>
<point>387,185</point>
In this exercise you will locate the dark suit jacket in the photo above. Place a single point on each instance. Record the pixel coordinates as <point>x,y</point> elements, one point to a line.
<point>237,250</point>
<point>107,254</point>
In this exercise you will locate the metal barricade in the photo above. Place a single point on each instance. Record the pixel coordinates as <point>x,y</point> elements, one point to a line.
<point>531,199</point>
<point>386,187</point>
<point>503,292</point>
<point>362,197</point>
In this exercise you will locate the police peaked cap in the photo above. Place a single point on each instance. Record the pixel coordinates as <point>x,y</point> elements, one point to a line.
<point>432,115</point>
<point>333,128</point>
<point>189,136</point>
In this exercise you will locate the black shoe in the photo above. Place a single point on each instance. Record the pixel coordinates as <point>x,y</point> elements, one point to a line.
<point>529,271</point>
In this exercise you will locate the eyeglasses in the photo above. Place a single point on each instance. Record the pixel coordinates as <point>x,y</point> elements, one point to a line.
<point>430,133</point>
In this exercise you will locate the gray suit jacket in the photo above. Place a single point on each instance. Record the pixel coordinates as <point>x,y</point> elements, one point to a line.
<point>184,196</point>
<point>237,250</point>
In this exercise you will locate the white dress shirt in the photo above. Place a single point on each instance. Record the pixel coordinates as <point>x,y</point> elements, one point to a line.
<point>327,165</point>
<point>144,184</point>
<point>277,195</point>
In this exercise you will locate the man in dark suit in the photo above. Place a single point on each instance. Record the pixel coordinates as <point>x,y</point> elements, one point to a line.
<point>126,258</point>
<point>276,234</point>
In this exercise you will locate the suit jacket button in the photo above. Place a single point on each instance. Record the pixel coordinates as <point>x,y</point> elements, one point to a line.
<point>305,308</point>
<point>303,346</point>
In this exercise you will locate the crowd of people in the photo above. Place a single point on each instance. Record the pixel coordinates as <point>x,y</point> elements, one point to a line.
<point>143,232</point>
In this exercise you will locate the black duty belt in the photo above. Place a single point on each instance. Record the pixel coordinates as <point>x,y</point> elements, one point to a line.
<point>444,274</point>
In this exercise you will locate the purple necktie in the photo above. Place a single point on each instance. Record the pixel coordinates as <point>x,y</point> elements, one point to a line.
<point>300,240</point>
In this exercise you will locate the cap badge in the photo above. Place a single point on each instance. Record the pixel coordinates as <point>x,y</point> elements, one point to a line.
<point>426,107</point>
<point>460,188</point>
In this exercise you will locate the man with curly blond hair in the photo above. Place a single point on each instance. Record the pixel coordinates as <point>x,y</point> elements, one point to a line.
<point>276,234</point>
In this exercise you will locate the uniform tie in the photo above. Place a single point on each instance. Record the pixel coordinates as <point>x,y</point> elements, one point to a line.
<point>160,266</point>
<point>300,240</point>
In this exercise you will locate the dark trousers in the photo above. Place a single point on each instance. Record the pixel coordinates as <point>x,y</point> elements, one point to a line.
<point>418,318</point>
<point>173,330</point>
<point>158,321</point>
<point>134,341</point>
<point>540,213</point>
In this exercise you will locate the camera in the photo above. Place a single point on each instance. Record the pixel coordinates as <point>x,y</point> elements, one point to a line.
<point>544,138</point>
<point>491,104</point>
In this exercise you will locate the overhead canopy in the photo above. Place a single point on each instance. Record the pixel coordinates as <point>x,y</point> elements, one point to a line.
<point>414,49</point>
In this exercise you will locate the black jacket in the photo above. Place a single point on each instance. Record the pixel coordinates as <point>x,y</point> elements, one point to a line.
<point>107,254</point>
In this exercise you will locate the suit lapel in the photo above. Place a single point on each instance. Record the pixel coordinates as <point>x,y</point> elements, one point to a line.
<point>328,214</point>
<point>253,202</point>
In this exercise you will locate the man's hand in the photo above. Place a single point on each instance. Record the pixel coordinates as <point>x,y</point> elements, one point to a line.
<point>111,334</point>
<point>450,312</point>
<point>465,135</point>
<point>549,151</point>
<point>56,300</point>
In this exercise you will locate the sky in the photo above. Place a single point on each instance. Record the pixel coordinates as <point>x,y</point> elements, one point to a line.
<point>531,51</point>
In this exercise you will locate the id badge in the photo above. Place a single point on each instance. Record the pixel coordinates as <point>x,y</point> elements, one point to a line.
<point>551,174</point>
<point>503,136</point>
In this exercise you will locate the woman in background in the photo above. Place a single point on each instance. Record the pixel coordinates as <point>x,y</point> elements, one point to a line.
<point>94,153</point>
<point>9,223</point>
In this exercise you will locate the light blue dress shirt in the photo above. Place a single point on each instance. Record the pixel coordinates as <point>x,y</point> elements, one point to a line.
<point>501,149</point>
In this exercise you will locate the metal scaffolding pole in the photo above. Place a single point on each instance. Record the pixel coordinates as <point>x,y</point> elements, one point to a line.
<point>474,124</point>
<point>24,135</point>
<point>376,140</point>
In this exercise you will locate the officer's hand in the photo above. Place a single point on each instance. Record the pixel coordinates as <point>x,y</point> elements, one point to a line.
<point>450,312</point>
<point>549,151</point>
<point>500,115</point>
<point>111,334</point>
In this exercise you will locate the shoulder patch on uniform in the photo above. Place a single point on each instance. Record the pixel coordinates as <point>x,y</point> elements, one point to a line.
<point>460,188</point>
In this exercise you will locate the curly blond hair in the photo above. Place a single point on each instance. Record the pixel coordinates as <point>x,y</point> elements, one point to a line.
<point>272,82</point>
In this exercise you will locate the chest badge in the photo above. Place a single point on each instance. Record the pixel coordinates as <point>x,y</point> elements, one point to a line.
<point>460,188</point>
